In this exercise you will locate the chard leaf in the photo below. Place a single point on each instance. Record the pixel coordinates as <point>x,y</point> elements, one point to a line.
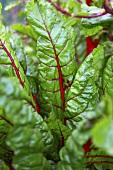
<point>60,130</point>
<point>55,53</point>
<point>24,138</point>
<point>72,154</point>
<point>90,31</point>
<point>104,138</point>
<point>25,30</point>
<point>108,78</point>
<point>18,63</point>
<point>99,159</point>
<point>5,152</point>
<point>84,90</point>
<point>104,21</point>
<point>48,139</point>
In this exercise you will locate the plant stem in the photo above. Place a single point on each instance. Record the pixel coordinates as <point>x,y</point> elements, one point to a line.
<point>74,16</point>
<point>17,71</point>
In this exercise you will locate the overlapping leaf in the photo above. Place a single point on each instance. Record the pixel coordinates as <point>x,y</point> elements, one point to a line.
<point>55,53</point>
<point>5,152</point>
<point>24,138</point>
<point>25,30</point>
<point>103,21</point>
<point>98,159</point>
<point>84,92</point>
<point>72,155</point>
<point>108,78</point>
<point>18,61</point>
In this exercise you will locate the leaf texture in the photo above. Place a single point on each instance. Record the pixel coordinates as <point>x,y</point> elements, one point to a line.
<point>55,53</point>
<point>108,78</point>
<point>23,138</point>
<point>17,61</point>
<point>84,89</point>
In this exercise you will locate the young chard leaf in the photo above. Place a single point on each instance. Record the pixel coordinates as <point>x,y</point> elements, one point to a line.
<point>108,78</point>
<point>55,53</point>
<point>5,43</point>
<point>24,138</point>
<point>84,89</point>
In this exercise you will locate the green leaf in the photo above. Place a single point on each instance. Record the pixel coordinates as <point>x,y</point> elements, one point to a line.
<point>58,128</point>
<point>48,138</point>
<point>23,138</point>
<point>91,9</point>
<point>103,21</point>
<point>104,138</point>
<point>17,59</point>
<point>70,21</point>
<point>84,90</point>
<point>55,54</point>
<point>25,30</point>
<point>90,31</point>
<point>72,154</point>
<point>107,78</point>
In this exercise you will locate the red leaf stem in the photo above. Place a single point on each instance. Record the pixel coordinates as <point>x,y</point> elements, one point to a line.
<point>60,81</point>
<point>100,162</point>
<point>88,2</point>
<point>65,121</point>
<point>74,16</point>
<point>87,146</point>
<point>12,63</point>
<point>99,156</point>
<point>37,105</point>
<point>60,78</point>
<point>6,120</point>
<point>90,45</point>
<point>18,74</point>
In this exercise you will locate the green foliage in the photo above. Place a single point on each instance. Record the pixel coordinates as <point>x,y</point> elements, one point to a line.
<point>56,103</point>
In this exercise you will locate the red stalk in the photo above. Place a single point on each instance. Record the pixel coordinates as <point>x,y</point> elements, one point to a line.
<point>18,74</point>
<point>37,105</point>
<point>88,2</point>
<point>74,16</point>
<point>90,44</point>
<point>61,82</point>
<point>6,120</point>
<point>87,146</point>
<point>100,162</point>
<point>60,78</point>
<point>12,63</point>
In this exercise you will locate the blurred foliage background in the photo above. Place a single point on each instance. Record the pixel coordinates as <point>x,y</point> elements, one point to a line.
<point>13,11</point>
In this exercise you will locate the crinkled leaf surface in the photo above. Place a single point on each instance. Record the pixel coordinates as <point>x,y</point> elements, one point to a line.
<point>55,53</point>
<point>18,62</point>
<point>72,154</point>
<point>84,90</point>
<point>103,21</point>
<point>24,138</point>
<point>108,78</point>
<point>25,30</point>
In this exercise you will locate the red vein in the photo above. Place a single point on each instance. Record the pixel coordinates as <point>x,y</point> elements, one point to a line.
<point>98,162</point>
<point>87,146</point>
<point>99,156</point>
<point>37,105</point>
<point>61,136</point>
<point>58,67</point>
<point>75,16</point>
<point>18,74</point>
<point>6,120</point>
<point>69,85</point>
<point>13,63</point>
